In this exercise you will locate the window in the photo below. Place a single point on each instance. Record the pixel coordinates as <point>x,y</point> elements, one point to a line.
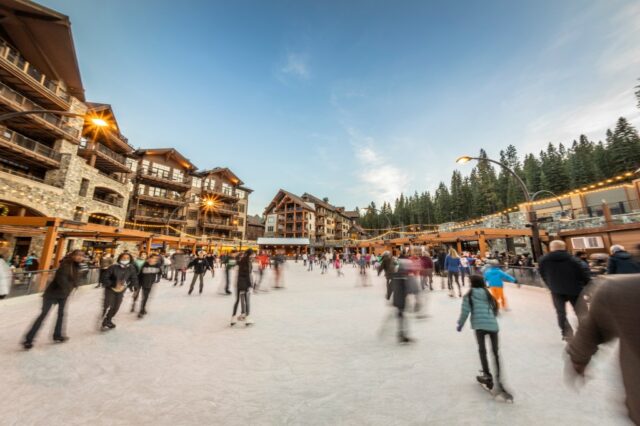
<point>132,164</point>
<point>84,187</point>
<point>587,243</point>
<point>196,182</point>
<point>77,215</point>
<point>145,165</point>
<point>178,175</point>
<point>269,228</point>
<point>240,194</point>
<point>141,189</point>
<point>241,208</point>
<point>157,192</point>
<point>226,189</point>
<point>193,214</point>
<point>160,170</point>
<point>240,221</point>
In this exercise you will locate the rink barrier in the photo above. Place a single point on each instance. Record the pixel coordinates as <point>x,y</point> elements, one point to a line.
<point>28,282</point>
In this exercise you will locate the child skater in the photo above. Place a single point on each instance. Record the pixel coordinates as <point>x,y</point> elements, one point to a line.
<point>483,308</point>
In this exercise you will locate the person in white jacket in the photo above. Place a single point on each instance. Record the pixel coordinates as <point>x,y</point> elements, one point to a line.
<point>5,273</point>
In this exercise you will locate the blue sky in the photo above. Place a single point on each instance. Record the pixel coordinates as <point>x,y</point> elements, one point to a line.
<point>356,100</point>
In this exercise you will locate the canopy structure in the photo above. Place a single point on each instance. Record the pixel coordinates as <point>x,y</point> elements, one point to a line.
<point>481,235</point>
<point>264,241</point>
<point>56,231</point>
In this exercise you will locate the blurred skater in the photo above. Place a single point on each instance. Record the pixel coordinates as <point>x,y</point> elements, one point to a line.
<point>452,267</point>
<point>116,280</point>
<point>243,289</point>
<point>66,279</point>
<point>200,267</point>
<point>494,277</point>
<point>149,275</point>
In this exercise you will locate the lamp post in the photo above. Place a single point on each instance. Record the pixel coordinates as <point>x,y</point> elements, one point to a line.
<point>562,212</point>
<point>535,232</point>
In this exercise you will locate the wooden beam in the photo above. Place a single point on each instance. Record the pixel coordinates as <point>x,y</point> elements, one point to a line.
<point>59,251</point>
<point>33,221</point>
<point>47,253</point>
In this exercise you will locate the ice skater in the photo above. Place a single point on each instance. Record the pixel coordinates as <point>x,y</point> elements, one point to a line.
<point>118,277</point>
<point>180,261</point>
<point>338,267</point>
<point>66,279</point>
<point>149,275</point>
<point>452,266</point>
<point>494,276</point>
<point>483,308</point>
<point>243,289</point>
<point>200,267</point>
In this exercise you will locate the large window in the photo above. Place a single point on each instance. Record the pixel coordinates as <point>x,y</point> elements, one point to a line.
<point>227,189</point>
<point>196,182</point>
<point>240,194</point>
<point>178,175</point>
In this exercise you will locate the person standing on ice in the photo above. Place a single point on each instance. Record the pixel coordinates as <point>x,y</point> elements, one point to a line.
<point>115,281</point>
<point>400,287</point>
<point>483,308</point>
<point>66,279</point>
<point>566,278</point>
<point>243,289</point>
<point>494,276</point>
<point>200,267</point>
<point>452,266</point>
<point>150,274</point>
<point>388,266</point>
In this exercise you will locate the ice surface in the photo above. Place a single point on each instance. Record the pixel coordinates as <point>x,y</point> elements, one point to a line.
<point>315,356</point>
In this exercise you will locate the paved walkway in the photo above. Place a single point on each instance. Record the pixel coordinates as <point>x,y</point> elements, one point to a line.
<point>314,356</point>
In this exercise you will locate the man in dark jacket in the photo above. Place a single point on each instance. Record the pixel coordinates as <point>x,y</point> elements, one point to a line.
<point>621,262</point>
<point>149,275</point>
<point>115,281</point>
<point>200,266</point>
<point>244,285</point>
<point>64,282</point>
<point>613,313</point>
<point>388,266</point>
<point>565,277</point>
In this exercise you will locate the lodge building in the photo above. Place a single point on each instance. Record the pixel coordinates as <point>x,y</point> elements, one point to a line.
<point>66,167</point>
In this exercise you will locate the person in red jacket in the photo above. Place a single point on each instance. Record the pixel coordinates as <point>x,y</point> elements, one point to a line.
<point>426,270</point>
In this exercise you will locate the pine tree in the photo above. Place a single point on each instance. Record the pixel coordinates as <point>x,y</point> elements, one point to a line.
<point>443,204</point>
<point>624,147</point>
<point>531,171</point>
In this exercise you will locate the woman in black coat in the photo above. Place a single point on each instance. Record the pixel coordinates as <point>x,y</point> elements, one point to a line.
<point>244,285</point>
<point>149,275</point>
<point>64,282</point>
<point>115,281</point>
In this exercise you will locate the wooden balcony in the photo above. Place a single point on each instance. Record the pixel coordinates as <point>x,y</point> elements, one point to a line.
<point>21,149</point>
<point>153,217</point>
<point>42,124</point>
<point>219,194</point>
<point>167,200</point>
<point>105,159</point>
<point>15,70</point>
<point>162,179</point>
<point>214,224</point>
<point>116,202</point>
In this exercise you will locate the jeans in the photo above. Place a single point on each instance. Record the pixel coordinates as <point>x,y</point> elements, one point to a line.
<point>46,306</point>
<point>482,350</point>
<point>145,296</point>
<point>559,302</point>
<point>193,281</point>
<point>183,276</point>
<point>450,275</point>
<point>112,302</point>
<point>243,297</point>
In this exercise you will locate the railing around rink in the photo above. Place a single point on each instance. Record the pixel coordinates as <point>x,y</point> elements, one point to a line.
<point>525,275</point>
<point>30,282</point>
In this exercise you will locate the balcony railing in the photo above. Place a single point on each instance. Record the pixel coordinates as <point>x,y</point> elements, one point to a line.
<point>28,143</point>
<point>157,216</point>
<point>6,169</point>
<point>164,175</point>
<point>117,202</point>
<point>26,104</point>
<point>119,179</point>
<point>20,63</point>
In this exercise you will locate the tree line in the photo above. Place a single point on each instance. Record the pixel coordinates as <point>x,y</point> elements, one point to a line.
<point>558,168</point>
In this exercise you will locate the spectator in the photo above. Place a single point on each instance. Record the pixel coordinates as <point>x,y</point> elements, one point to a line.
<point>613,314</point>
<point>31,263</point>
<point>621,262</point>
<point>565,277</point>
<point>5,273</point>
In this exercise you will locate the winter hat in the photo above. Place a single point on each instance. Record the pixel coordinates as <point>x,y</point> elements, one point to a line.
<point>616,248</point>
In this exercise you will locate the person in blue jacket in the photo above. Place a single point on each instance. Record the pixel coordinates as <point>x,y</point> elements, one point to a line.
<point>452,266</point>
<point>495,277</point>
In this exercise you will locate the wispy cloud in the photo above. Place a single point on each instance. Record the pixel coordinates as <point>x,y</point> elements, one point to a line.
<point>378,177</point>
<point>623,41</point>
<point>296,65</point>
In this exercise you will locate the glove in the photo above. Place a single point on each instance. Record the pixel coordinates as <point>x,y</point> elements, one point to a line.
<point>459,328</point>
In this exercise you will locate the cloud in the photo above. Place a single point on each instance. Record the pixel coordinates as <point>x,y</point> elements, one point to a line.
<point>378,177</point>
<point>297,65</point>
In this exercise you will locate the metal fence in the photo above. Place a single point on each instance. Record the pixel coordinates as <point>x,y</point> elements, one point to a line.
<point>29,282</point>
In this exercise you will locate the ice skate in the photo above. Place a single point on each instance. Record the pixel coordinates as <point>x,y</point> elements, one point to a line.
<point>60,339</point>
<point>404,340</point>
<point>501,394</point>
<point>248,321</point>
<point>27,345</point>
<point>234,321</point>
<point>486,381</point>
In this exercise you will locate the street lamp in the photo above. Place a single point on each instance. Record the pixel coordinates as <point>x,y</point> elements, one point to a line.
<point>563,214</point>
<point>535,232</point>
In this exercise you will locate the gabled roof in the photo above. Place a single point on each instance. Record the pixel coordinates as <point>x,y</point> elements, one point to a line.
<point>105,111</point>
<point>186,163</point>
<point>281,194</point>
<point>312,198</point>
<point>351,214</point>
<point>222,171</point>
<point>254,221</point>
<point>43,36</point>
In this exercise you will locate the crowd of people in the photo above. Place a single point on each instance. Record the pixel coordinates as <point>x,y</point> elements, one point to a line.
<point>409,276</point>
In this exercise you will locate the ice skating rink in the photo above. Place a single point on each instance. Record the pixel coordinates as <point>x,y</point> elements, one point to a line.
<point>315,356</point>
